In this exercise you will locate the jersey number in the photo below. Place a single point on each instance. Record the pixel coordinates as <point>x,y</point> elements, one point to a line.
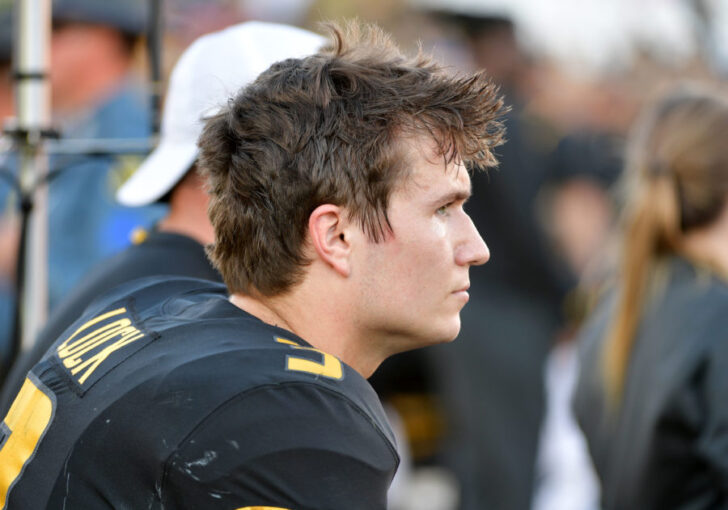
<point>328,367</point>
<point>24,426</point>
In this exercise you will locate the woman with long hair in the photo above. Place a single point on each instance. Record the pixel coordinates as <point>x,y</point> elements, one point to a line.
<point>652,397</point>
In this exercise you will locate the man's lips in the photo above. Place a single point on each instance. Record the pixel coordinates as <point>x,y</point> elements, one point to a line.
<point>463,292</point>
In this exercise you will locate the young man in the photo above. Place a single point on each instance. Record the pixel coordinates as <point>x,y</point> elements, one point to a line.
<point>337,185</point>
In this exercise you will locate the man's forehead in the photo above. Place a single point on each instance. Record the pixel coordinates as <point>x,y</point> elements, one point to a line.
<point>419,148</point>
<point>434,174</point>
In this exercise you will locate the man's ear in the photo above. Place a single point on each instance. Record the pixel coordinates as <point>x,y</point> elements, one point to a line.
<point>329,229</point>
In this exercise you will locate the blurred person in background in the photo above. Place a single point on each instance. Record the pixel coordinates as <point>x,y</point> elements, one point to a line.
<point>93,95</point>
<point>650,396</point>
<point>577,202</point>
<point>578,212</point>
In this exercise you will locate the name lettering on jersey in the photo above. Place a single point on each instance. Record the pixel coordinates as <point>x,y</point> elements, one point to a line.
<point>329,367</point>
<point>97,341</point>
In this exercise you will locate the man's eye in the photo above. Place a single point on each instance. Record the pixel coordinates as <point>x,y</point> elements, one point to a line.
<point>442,210</point>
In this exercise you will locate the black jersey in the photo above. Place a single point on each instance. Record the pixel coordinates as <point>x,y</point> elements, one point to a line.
<point>158,253</point>
<point>165,395</point>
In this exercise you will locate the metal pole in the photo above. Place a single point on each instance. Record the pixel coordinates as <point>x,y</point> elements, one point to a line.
<point>32,56</point>
<point>155,35</point>
<point>32,32</point>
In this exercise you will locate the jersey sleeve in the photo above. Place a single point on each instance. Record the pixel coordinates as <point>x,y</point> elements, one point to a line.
<point>291,445</point>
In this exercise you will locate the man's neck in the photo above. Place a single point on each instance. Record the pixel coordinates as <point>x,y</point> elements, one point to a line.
<point>188,225</point>
<point>188,212</point>
<point>320,322</point>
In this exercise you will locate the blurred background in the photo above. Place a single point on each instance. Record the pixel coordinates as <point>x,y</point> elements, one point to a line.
<point>484,423</point>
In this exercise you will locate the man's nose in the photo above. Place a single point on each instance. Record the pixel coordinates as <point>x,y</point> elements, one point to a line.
<point>473,251</point>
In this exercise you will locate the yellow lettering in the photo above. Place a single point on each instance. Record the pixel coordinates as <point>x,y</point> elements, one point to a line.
<point>90,341</point>
<point>90,323</point>
<point>72,350</point>
<point>94,361</point>
<point>118,332</point>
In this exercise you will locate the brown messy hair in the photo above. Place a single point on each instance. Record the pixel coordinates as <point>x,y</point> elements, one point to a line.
<point>325,129</point>
<point>676,181</point>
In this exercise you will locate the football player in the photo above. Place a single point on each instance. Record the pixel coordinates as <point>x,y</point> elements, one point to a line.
<point>337,184</point>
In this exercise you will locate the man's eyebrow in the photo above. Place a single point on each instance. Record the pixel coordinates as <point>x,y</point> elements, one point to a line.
<point>454,196</point>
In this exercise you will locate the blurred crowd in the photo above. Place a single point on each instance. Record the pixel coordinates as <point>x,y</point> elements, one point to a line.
<point>485,422</point>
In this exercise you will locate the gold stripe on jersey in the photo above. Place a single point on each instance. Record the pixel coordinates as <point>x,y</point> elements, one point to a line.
<point>329,367</point>
<point>24,426</point>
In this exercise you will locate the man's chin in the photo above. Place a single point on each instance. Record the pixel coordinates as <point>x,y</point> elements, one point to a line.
<point>449,332</point>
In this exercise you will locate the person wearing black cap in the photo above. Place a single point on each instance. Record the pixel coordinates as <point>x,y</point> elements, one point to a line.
<point>92,96</point>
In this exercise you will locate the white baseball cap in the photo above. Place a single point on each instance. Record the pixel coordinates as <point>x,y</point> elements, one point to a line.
<point>207,74</point>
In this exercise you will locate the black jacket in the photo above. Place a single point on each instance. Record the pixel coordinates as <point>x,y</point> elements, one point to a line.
<point>666,446</point>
